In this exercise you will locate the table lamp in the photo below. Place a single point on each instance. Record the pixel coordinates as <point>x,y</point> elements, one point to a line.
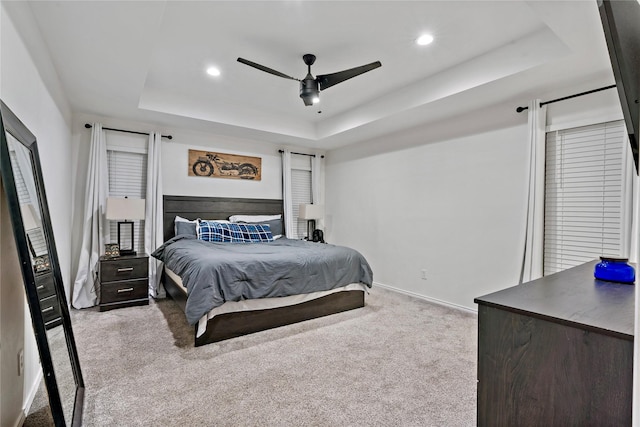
<point>310,212</point>
<point>124,210</point>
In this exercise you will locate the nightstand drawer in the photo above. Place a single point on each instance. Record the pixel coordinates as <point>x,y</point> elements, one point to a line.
<point>124,269</point>
<point>123,291</point>
<point>50,309</point>
<point>44,285</point>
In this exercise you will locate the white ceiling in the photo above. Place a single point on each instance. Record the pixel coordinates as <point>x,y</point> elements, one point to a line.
<point>146,61</point>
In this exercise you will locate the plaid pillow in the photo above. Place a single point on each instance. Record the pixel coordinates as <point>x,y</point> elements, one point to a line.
<point>275,225</point>
<point>212,231</point>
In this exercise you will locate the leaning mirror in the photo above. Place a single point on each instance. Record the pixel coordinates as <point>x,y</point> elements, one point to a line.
<point>27,202</point>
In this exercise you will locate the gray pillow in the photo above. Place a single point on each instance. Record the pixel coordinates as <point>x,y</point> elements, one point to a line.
<point>188,228</point>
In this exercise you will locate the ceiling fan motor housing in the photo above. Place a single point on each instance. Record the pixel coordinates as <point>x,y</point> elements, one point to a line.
<point>309,90</point>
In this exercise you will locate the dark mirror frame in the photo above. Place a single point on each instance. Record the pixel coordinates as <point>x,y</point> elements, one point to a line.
<point>10,124</point>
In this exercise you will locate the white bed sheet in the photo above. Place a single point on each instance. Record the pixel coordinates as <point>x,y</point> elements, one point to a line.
<point>261,303</point>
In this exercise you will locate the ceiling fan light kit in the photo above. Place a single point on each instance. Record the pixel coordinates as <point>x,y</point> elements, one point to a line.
<point>310,87</point>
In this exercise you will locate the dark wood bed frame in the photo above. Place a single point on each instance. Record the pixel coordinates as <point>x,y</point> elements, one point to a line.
<point>231,325</point>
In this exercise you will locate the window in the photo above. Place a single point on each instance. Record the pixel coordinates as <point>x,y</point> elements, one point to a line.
<point>127,177</point>
<point>585,195</point>
<point>300,191</point>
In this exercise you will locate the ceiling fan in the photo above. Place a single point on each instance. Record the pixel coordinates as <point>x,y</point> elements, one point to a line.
<point>310,87</point>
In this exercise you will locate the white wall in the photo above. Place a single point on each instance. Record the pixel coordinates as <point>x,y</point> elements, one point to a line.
<point>26,89</point>
<point>452,208</point>
<point>175,167</point>
<point>175,179</point>
<point>452,202</point>
<point>49,119</point>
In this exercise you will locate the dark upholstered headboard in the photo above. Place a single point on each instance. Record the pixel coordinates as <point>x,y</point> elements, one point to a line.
<point>192,207</point>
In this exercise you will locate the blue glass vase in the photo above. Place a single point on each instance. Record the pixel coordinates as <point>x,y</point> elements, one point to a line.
<point>615,270</point>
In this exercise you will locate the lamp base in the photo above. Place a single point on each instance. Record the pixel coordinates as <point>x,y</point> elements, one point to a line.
<point>311,225</point>
<point>128,237</point>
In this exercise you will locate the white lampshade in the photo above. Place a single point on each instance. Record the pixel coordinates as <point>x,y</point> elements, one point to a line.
<point>125,208</point>
<point>311,211</point>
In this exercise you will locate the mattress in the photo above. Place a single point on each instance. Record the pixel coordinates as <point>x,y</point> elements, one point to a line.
<point>260,303</point>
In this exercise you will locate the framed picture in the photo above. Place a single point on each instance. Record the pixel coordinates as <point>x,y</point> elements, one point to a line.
<point>111,250</point>
<point>222,165</point>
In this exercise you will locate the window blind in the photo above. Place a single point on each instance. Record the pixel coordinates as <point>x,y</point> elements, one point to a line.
<point>300,192</point>
<point>127,177</point>
<point>583,194</point>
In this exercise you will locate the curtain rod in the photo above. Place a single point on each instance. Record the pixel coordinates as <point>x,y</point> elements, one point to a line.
<point>521,109</point>
<point>301,154</point>
<point>88,126</point>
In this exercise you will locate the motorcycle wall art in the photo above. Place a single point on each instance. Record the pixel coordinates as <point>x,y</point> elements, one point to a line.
<point>222,165</point>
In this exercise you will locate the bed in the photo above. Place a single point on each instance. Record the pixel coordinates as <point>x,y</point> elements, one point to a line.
<point>244,316</point>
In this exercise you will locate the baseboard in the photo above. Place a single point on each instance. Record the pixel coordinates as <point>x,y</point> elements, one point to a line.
<point>29,398</point>
<point>426,298</point>
<point>21,419</point>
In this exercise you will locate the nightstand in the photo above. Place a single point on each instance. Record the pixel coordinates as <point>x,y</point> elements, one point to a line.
<point>49,304</point>
<point>123,281</point>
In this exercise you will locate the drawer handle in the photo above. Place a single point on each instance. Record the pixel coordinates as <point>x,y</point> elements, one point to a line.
<point>124,270</point>
<point>40,287</point>
<point>125,290</point>
<point>48,309</point>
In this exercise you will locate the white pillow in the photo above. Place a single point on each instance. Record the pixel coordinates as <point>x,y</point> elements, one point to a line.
<point>180,219</point>
<point>253,218</point>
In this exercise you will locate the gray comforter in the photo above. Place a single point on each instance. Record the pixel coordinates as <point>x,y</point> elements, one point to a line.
<point>214,273</point>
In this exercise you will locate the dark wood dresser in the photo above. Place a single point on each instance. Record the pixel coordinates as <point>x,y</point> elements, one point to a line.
<point>49,304</point>
<point>557,351</point>
<point>123,281</point>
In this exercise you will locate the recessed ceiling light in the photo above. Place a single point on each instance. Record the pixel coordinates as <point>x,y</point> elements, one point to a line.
<point>213,71</point>
<point>424,39</point>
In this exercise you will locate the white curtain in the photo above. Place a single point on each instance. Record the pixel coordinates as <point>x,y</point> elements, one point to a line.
<point>634,243</point>
<point>532,262</point>
<point>95,230</point>
<point>317,185</point>
<point>153,226</point>
<point>630,206</point>
<point>286,194</point>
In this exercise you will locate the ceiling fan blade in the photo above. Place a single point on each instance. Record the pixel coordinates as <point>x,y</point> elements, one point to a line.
<point>328,80</point>
<point>266,69</point>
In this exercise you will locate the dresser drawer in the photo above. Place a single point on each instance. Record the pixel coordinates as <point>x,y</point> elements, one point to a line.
<point>124,269</point>
<point>45,285</point>
<point>124,291</point>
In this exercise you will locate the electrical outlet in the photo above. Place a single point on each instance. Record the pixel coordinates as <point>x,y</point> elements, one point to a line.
<point>20,362</point>
<point>424,275</point>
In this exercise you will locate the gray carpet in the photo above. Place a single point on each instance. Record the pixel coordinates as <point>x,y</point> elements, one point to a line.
<point>399,361</point>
